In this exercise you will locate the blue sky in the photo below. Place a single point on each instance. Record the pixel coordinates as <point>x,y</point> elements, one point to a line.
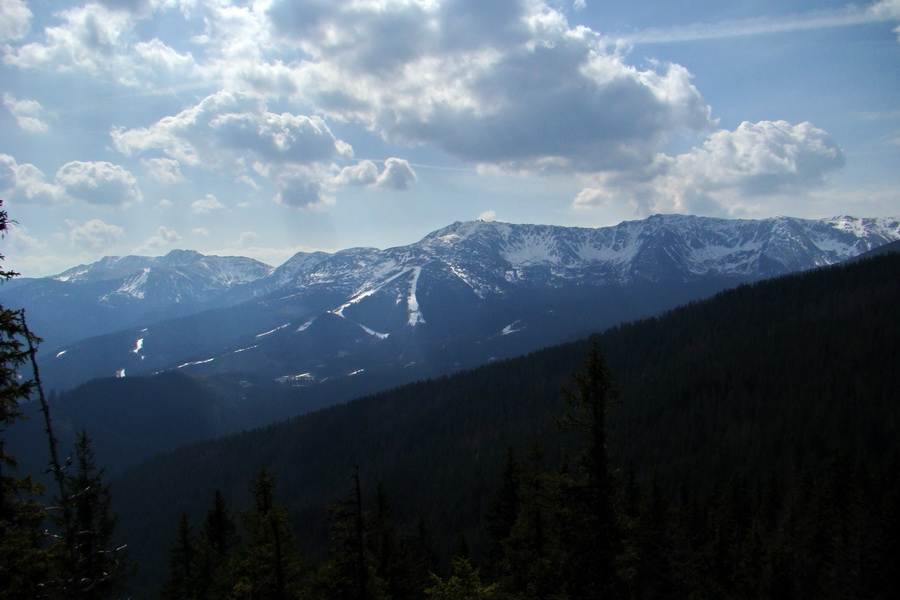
<point>267,127</point>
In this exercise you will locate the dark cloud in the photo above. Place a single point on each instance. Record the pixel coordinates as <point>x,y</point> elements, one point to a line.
<point>507,83</point>
<point>540,110</point>
<point>472,24</point>
<point>300,187</point>
<point>133,6</point>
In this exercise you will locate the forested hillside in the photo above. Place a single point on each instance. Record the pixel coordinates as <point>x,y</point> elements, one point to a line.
<point>768,412</point>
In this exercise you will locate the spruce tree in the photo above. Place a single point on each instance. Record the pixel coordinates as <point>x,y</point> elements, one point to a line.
<point>503,511</point>
<point>390,551</point>
<point>348,572</point>
<point>590,519</point>
<point>218,539</point>
<point>180,585</point>
<point>268,565</point>
<point>93,567</point>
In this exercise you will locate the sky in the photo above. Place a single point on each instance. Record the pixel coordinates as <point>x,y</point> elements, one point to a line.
<point>264,128</point>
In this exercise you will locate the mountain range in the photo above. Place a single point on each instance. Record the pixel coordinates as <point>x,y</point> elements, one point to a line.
<point>464,295</point>
<point>760,383</point>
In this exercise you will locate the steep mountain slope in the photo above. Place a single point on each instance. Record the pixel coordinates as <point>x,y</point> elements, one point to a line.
<point>118,292</point>
<point>463,295</point>
<point>767,379</point>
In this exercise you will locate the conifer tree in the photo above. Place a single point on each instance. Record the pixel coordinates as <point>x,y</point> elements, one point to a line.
<point>566,537</point>
<point>218,539</point>
<point>464,583</point>
<point>348,573</point>
<point>390,552</point>
<point>268,566</point>
<point>590,521</point>
<point>93,567</point>
<point>180,585</point>
<point>424,555</point>
<point>504,510</point>
<point>534,561</point>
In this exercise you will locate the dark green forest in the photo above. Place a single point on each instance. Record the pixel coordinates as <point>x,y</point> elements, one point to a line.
<point>759,427</point>
<point>740,447</point>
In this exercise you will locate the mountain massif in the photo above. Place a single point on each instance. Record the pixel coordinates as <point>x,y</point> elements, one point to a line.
<point>462,296</point>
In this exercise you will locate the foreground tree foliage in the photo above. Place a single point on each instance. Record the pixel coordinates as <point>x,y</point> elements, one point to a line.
<point>65,551</point>
<point>93,566</point>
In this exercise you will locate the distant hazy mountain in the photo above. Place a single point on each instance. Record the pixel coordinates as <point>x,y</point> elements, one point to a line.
<point>463,295</point>
<point>117,292</point>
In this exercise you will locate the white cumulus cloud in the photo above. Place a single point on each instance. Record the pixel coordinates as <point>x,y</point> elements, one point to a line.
<point>163,238</point>
<point>99,183</point>
<point>26,183</point>
<point>362,173</point>
<point>101,41</point>
<point>234,133</point>
<point>733,173</point>
<point>206,205</point>
<point>15,20</point>
<point>94,235</point>
<point>90,38</point>
<point>164,170</point>
<point>29,114</point>
<point>396,175</point>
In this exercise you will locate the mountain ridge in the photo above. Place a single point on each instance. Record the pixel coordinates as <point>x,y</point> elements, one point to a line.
<point>465,294</point>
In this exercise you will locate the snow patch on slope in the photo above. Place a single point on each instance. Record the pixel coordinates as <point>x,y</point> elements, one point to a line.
<point>264,334</point>
<point>134,286</point>
<point>412,303</point>
<point>373,333</point>
<point>196,362</point>
<point>532,250</point>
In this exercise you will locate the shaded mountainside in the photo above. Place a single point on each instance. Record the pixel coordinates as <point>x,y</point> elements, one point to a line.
<point>767,379</point>
<point>462,296</point>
